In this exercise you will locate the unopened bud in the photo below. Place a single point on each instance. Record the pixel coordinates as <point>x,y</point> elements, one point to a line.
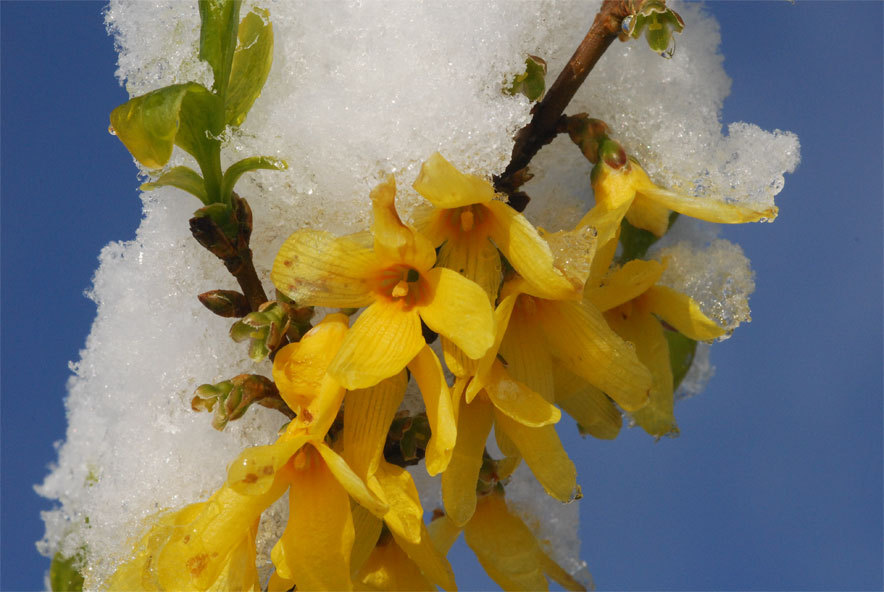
<point>230,399</point>
<point>265,328</point>
<point>225,303</point>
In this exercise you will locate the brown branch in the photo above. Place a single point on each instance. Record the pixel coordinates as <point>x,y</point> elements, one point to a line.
<point>542,128</point>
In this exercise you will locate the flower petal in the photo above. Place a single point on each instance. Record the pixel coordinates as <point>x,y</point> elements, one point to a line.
<point>315,547</point>
<point>460,478</point>
<point>368,528</point>
<point>505,546</point>
<point>367,418</point>
<point>683,313</point>
<point>460,310</point>
<point>624,284</point>
<point>524,348</point>
<point>502,315</point>
<point>601,263</point>
<point>518,401</point>
<point>349,480</point>
<point>427,557</point>
<point>544,455</point>
<point>316,268</point>
<point>581,340</point>
<point>642,329</point>
<point>446,187</point>
<point>404,515</point>
<point>704,208</point>
<point>299,368</point>
<point>393,240</point>
<point>379,345</point>
<point>527,252</point>
<point>443,532</point>
<point>593,411</point>
<point>256,469</point>
<point>389,568</point>
<point>430,379</point>
<point>475,258</point>
<point>648,215</point>
<point>196,553</point>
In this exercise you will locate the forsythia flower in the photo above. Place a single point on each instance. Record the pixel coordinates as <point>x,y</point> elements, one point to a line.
<point>395,278</point>
<point>504,545</point>
<point>627,191</point>
<point>632,301</point>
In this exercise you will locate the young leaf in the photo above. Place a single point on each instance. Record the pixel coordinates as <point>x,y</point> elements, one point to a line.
<point>182,178</point>
<point>200,128</point>
<point>236,170</point>
<point>220,21</point>
<point>63,575</point>
<point>147,125</point>
<point>251,65</point>
<point>681,355</point>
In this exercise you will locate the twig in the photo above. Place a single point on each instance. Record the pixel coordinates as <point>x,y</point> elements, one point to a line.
<point>542,128</point>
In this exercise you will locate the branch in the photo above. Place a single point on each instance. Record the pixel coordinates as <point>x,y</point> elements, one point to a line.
<point>542,128</point>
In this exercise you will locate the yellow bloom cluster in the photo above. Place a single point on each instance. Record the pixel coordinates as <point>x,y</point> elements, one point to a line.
<point>555,326</point>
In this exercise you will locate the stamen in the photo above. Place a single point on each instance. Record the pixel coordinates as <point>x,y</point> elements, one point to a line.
<point>412,276</point>
<point>466,220</point>
<point>400,290</point>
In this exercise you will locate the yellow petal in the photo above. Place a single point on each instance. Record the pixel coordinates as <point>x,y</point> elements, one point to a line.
<point>278,583</point>
<point>437,399</point>
<point>431,222</point>
<point>544,455</point>
<point>367,418</point>
<point>255,470</point>
<point>197,552</point>
<point>621,286</point>
<point>502,315</point>
<point>389,568</point>
<point>614,188</point>
<point>704,208</point>
<point>379,345</point>
<point>642,329</point>
<point>602,261</point>
<point>460,310</point>
<point>475,258</point>
<point>682,312</point>
<point>648,215</point>
<point>460,478</point>
<point>606,223</point>
<point>404,515</point>
<point>456,361</point>
<point>428,558</point>
<point>446,187</point>
<point>518,401</point>
<point>316,268</point>
<point>299,367</point>
<point>512,457</point>
<point>528,253</point>
<point>557,573</point>
<point>573,252</point>
<point>349,480</point>
<point>593,411</point>
<point>581,340</point>
<point>368,528</point>
<point>504,546</point>
<point>393,240</point>
<point>443,532</point>
<point>239,571</point>
<point>314,549</point>
<point>524,349</point>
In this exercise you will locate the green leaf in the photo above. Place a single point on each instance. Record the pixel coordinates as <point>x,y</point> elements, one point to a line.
<point>635,242</point>
<point>237,169</point>
<point>251,65</point>
<point>183,178</point>
<point>199,134</point>
<point>681,355</point>
<point>148,125</point>
<point>532,82</point>
<point>63,575</point>
<point>219,24</point>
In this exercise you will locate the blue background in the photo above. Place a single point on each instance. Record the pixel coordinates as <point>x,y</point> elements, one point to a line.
<point>776,479</point>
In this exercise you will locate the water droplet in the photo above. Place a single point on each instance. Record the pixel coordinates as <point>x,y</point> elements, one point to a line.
<point>111,130</point>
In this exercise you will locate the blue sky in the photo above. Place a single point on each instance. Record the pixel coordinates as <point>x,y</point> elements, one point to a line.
<point>776,479</point>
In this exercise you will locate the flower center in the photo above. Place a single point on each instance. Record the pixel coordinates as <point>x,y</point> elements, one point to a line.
<point>402,283</point>
<point>467,219</point>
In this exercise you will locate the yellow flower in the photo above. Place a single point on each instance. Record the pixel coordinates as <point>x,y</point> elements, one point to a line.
<point>395,278</point>
<point>505,546</point>
<point>367,419</point>
<point>388,567</point>
<point>467,217</point>
<point>629,192</point>
<point>632,300</point>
